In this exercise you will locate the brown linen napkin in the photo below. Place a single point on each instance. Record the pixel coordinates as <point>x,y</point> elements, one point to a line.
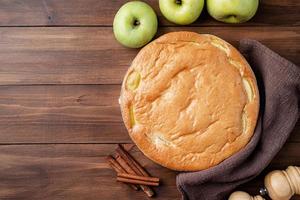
<point>279,85</point>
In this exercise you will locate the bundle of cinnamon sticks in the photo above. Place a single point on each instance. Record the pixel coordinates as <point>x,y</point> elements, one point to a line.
<point>130,172</point>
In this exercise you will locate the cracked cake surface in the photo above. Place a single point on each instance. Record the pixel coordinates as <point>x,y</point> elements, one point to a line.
<point>189,101</point>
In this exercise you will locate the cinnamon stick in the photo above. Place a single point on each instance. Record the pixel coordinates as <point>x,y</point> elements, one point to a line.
<point>114,164</point>
<point>118,168</point>
<point>135,181</point>
<point>136,177</point>
<point>125,156</point>
<point>125,165</point>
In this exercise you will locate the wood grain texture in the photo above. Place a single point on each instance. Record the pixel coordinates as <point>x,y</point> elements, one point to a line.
<point>34,172</point>
<point>65,114</point>
<point>101,13</point>
<point>90,55</point>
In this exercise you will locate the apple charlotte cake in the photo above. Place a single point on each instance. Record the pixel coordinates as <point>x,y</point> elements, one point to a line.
<point>189,101</point>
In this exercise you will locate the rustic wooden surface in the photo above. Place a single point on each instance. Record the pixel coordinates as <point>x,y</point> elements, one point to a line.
<point>60,75</point>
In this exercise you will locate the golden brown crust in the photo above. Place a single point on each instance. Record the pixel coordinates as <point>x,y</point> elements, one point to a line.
<point>189,101</point>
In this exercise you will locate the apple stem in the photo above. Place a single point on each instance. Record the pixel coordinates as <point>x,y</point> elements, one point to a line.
<point>178,2</point>
<point>136,23</point>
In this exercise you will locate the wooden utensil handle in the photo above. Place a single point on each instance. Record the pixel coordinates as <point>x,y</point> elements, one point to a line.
<point>283,184</point>
<point>239,195</point>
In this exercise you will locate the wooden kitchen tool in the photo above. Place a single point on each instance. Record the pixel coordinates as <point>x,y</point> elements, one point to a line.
<point>239,195</point>
<point>282,185</point>
<point>279,185</point>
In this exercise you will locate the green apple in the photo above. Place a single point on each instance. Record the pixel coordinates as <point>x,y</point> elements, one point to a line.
<point>181,11</point>
<point>232,11</point>
<point>135,24</point>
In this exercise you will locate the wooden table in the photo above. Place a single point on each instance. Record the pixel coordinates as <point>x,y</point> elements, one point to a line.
<point>60,76</point>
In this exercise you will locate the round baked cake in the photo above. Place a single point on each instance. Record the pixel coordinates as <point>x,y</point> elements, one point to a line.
<point>189,101</point>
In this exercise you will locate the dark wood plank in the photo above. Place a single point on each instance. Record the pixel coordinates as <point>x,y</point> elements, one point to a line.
<point>65,114</point>
<point>60,113</point>
<point>95,12</point>
<point>80,172</point>
<point>70,172</point>
<point>85,55</point>
<point>64,133</point>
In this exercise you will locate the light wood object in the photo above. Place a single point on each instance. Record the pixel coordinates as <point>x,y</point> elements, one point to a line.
<point>282,185</point>
<point>239,195</point>
<point>279,185</point>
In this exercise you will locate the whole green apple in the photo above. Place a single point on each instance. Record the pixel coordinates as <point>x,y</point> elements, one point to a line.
<point>181,11</point>
<point>135,24</point>
<point>232,11</point>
